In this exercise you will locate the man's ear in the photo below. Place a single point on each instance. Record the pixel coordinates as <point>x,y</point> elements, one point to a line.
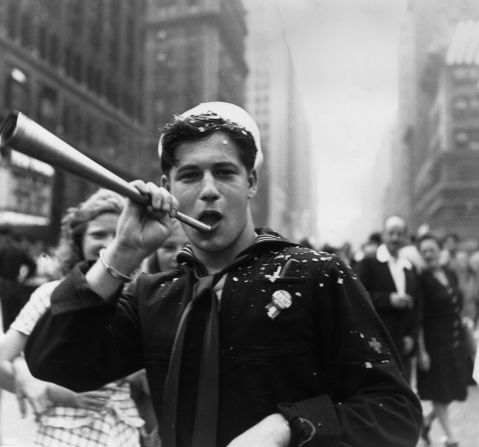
<point>252,183</point>
<point>165,183</point>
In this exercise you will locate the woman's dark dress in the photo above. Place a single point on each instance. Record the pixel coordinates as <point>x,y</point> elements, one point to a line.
<point>444,338</point>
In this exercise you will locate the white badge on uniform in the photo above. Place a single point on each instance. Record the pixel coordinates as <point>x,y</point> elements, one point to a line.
<point>280,300</point>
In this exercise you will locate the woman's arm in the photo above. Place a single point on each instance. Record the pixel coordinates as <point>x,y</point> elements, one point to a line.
<point>41,395</point>
<point>11,345</point>
<point>424,361</point>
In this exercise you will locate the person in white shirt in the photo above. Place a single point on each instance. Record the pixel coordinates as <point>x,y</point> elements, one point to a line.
<point>393,285</point>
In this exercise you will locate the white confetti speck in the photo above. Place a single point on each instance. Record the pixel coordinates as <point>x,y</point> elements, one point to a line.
<point>340,280</point>
<point>235,278</point>
<point>368,365</point>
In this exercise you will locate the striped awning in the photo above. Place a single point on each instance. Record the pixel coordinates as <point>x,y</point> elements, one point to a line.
<point>464,47</point>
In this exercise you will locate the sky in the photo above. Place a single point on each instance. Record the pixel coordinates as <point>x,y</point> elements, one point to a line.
<point>345,56</point>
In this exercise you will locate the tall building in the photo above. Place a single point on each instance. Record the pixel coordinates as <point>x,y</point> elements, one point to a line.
<point>194,53</point>
<point>77,68</point>
<point>427,153</point>
<point>398,197</point>
<point>287,194</point>
<point>447,185</point>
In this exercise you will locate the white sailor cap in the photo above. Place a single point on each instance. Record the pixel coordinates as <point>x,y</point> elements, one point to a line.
<point>231,113</point>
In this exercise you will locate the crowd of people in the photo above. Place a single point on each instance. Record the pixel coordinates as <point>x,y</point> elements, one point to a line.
<point>425,288</point>
<point>141,331</point>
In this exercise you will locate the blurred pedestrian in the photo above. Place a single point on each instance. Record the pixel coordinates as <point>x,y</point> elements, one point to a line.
<point>16,265</point>
<point>368,249</point>
<point>306,242</point>
<point>450,248</point>
<point>411,253</point>
<point>13,259</point>
<point>442,367</point>
<point>475,372</point>
<point>103,418</point>
<point>254,340</point>
<point>474,263</point>
<point>393,285</point>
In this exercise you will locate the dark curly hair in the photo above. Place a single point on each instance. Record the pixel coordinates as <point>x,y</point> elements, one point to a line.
<point>429,236</point>
<point>201,127</point>
<point>75,222</point>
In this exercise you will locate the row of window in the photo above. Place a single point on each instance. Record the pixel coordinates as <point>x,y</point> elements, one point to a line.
<point>465,107</point>
<point>466,138</point>
<point>171,2</point>
<point>41,37</point>
<point>73,124</point>
<point>31,192</point>
<point>463,75</point>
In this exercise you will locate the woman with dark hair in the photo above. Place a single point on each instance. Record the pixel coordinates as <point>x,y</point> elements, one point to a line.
<point>105,417</point>
<point>442,358</point>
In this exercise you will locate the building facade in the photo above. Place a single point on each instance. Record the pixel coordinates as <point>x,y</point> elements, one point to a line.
<point>194,53</point>
<point>447,185</point>
<point>287,195</point>
<point>77,69</point>
<point>431,185</point>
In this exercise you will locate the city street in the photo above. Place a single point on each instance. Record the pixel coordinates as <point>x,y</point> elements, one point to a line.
<point>20,432</point>
<point>465,421</point>
<point>16,431</point>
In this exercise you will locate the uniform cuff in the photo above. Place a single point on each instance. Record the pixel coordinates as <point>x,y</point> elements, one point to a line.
<point>313,422</point>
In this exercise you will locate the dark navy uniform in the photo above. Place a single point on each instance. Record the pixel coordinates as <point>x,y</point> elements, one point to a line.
<point>297,335</point>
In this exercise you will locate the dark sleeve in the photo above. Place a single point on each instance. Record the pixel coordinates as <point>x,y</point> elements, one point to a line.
<point>370,402</point>
<point>84,341</point>
<point>368,277</point>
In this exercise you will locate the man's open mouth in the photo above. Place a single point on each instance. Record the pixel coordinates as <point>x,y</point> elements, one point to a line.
<point>210,217</point>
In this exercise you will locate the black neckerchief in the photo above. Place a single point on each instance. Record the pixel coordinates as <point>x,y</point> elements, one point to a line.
<point>201,312</point>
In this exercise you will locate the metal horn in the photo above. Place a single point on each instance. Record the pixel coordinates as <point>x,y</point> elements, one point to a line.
<point>25,135</point>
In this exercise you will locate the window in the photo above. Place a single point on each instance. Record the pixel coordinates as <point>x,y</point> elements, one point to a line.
<point>90,77</point>
<point>461,138</point>
<point>98,83</point>
<point>54,50</point>
<point>42,42</point>
<point>52,7</point>
<point>111,90</point>
<point>113,49</point>
<point>68,60</point>
<point>465,75</point>
<point>460,107</point>
<point>75,17</point>
<point>78,67</point>
<point>96,25</point>
<point>474,106</point>
<point>47,104</point>
<point>12,15</point>
<point>26,29</point>
<point>474,138</point>
<point>17,93</point>
<point>459,74</point>
<point>88,133</point>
